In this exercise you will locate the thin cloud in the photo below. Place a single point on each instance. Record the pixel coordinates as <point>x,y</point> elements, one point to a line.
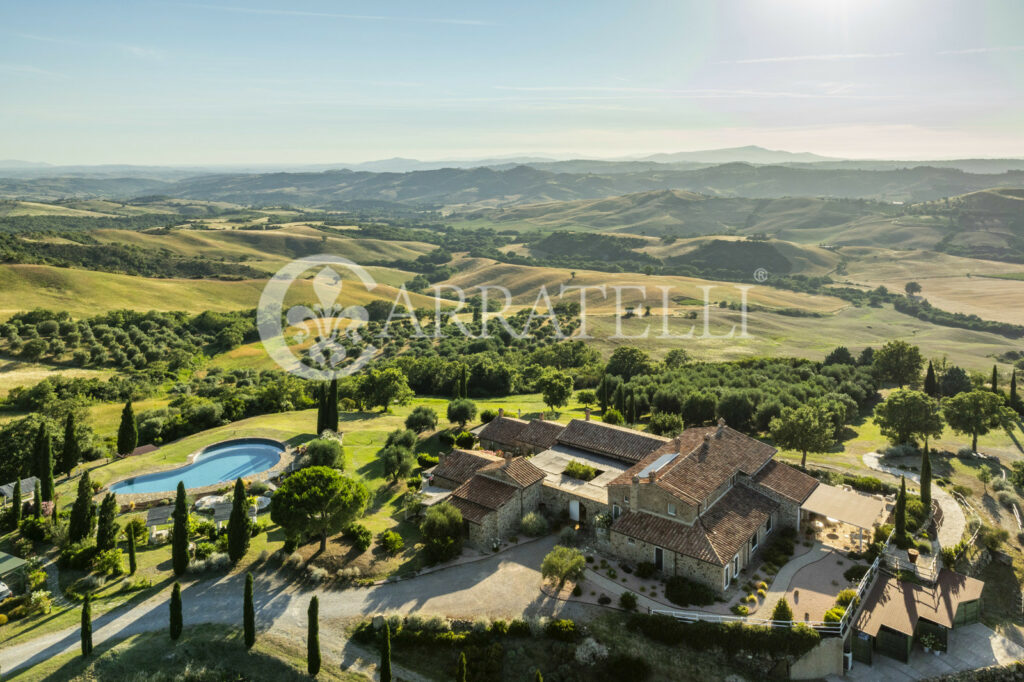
<point>140,51</point>
<point>613,92</point>
<point>817,58</point>
<point>333,15</point>
<point>985,50</point>
<point>30,70</point>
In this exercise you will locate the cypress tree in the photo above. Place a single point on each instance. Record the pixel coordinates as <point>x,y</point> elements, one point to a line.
<point>926,483</point>
<point>1014,399</point>
<point>176,620</point>
<point>782,611</point>
<point>320,409</point>
<point>37,502</point>
<point>900,513</point>
<point>80,523</point>
<point>106,531</point>
<point>132,565</point>
<point>87,626</point>
<point>128,431</point>
<point>385,655</point>
<point>539,677</point>
<point>44,462</point>
<point>995,379</point>
<point>238,524</point>
<point>179,548</point>
<point>460,672</point>
<point>249,614</point>
<point>71,453</point>
<point>931,384</point>
<point>313,638</point>
<point>331,418</point>
<point>16,512</point>
<point>465,382</point>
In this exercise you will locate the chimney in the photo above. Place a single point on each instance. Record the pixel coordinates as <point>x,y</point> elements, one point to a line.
<point>541,417</point>
<point>507,455</point>
<point>501,412</point>
<point>721,428</point>
<point>653,476</point>
<point>586,413</point>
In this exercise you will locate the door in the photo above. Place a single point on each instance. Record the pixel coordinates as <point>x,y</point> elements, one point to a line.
<point>574,510</point>
<point>659,559</point>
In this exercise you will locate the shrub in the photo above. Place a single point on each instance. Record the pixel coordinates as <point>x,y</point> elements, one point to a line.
<point>518,628</point>
<point>295,561</point>
<point>604,600</point>
<point>442,532</point>
<point>623,667</point>
<point>644,570</point>
<point>23,548</point>
<point>138,527</point>
<point>740,609</point>
<point>562,630</point>
<point>562,564</point>
<point>962,490</point>
<point>627,600</point>
<point>999,485</point>
<point>316,574</point>
<point>204,550</point>
<point>580,471</point>
<point>391,542</point>
<point>359,535</point>
<point>534,524</point>
<point>568,536</point>
<point>78,556</point>
<point>465,440</point>
<point>902,450</point>
<point>487,416</point>
<point>613,417</point>
<point>834,614</point>
<point>577,591</point>
<point>218,561</point>
<point>1005,498</point>
<point>426,460</point>
<point>590,651</point>
<point>35,529</point>
<point>965,452</point>
<point>684,592</point>
<point>110,562</point>
<point>854,573</point>
<point>732,638</point>
<point>924,547</point>
<point>845,597</point>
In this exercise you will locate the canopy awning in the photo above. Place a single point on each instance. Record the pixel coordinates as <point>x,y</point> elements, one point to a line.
<point>856,509</point>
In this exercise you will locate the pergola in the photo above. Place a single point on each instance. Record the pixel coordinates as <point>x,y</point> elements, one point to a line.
<point>856,509</point>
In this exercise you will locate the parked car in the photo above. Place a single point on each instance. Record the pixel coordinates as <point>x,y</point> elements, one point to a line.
<point>5,591</point>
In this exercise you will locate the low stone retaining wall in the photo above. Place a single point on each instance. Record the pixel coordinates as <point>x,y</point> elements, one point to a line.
<point>145,500</point>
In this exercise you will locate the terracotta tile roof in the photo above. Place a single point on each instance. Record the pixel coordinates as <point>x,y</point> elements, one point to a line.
<point>715,537</point>
<point>618,442</point>
<point>541,434</point>
<point>521,470</point>
<point>899,605</point>
<point>460,465</point>
<point>683,443</point>
<point>481,495</point>
<point>787,481</point>
<point>504,430</point>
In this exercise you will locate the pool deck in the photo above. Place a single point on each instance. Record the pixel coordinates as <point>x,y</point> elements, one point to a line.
<point>132,499</point>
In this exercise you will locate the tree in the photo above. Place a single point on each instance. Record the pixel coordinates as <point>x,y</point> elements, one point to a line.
<point>954,380</point>
<point>995,379</point>
<point>385,654</point>
<point>317,501</point>
<point>442,532</point>
<point>555,388</point>
<point>985,476</point>
<point>698,408</point>
<point>82,517</point>
<point>900,512</point>
<point>132,564</point>
<point>17,506</point>
<point>906,414</point>
<point>176,618</point>
<point>840,356</point>
<point>931,383</point>
<point>324,452</point>
<point>782,611</point>
<point>912,288</point>
<point>313,637</point>
<point>898,362</point>
<point>461,411</point>
<point>71,452</point>
<point>107,529</point>
<point>613,417</point>
<point>421,419</point>
<point>128,431</point>
<point>249,614</point>
<point>239,531</point>
<point>460,672</point>
<point>37,502</point>
<point>331,416</point>
<point>44,462</point>
<point>321,409</point>
<point>975,413</point>
<point>926,482</point>
<point>627,362</point>
<point>586,397</point>
<point>398,462</point>
<point>87,625</point>
<point>563,563</point>
<point>382,387</point>
<point>179,535</point>
<point>1015,402</point>
<point>606,390</point>
<point>804,429</point>
<point>464,382</point>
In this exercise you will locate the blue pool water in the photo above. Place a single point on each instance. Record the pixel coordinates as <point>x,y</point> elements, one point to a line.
<point>218,464</point>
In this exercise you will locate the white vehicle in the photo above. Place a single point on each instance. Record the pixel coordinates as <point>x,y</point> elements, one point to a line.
<point>5,591</point>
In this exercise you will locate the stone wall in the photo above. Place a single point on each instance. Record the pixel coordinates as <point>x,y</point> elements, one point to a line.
<point>822,661</point>
<point>673,563</point>
<point>788,513</point>
<point>505,521</point>
<point>556,501</point>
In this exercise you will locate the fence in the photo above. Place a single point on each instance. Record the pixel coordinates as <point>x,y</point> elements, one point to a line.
<point>834,629</point>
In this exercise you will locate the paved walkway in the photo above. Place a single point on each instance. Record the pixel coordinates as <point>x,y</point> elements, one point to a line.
<point>953,520</point>
<point>970,647</point>
<point>782,579</point>
<point>506,586</point>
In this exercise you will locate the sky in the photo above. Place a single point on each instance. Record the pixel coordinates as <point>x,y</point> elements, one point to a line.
<point>312,81</point>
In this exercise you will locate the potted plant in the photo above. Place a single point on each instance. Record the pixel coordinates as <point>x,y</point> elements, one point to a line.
<point>912,555</point>
<point>929,642</point>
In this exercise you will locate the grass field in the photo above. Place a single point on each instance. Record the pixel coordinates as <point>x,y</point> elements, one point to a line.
<point>15,373</point>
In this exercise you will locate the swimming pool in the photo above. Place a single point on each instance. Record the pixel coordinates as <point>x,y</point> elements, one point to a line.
<point>216,464</point>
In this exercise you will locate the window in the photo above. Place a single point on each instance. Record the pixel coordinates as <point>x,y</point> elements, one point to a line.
<point>753,542</point>
<point>768,524</point>
<point>671,509</point>
<point>631,541</point>
<point>735,566</point>
<point>616,511</point>
<point>625,500</point>
<point>725,585</point>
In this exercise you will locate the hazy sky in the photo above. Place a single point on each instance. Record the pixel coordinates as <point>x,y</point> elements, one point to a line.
<point>312,81</point>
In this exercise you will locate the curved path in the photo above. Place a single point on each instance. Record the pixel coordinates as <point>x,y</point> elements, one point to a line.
<point>505,585</point>
<point>953,520</point>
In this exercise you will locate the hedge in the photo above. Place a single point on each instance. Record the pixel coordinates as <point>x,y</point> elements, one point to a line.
<point>732,638</point>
